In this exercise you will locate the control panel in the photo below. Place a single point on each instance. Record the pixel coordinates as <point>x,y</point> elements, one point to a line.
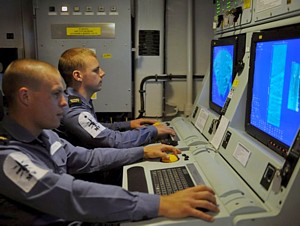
<point>237,14</point>
<point>105,27</point>
<point>230,14</point>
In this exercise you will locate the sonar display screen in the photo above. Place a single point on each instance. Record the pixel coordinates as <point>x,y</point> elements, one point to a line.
<point>221,72</point>
<point>275,107</point>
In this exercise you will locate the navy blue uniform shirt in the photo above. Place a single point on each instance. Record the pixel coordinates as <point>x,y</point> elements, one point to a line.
<point>34,175</point>
<point>81,127</point>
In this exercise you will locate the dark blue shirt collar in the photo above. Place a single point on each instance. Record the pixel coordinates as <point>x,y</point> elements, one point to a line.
<point>18,132</point>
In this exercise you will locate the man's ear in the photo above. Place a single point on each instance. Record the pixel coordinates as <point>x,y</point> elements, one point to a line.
<point>24,95</point>
<point>77,75</point>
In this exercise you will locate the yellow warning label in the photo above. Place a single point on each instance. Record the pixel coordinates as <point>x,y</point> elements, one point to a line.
<point>247,4</point>
<point>235,83</point>
<point>75,31</point>
<point>106,55</point>
<point>94,96</point>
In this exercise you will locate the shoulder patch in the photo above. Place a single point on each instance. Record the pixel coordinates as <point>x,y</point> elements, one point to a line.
<point>74,101</point>
<point>90,124</point>
<point>22,171</point>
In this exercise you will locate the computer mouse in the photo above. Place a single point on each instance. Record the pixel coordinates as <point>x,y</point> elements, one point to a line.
<point>172,158</point>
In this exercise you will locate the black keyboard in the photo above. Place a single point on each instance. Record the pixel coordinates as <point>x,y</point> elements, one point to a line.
<point>169,180</point>
<point>168,139</point>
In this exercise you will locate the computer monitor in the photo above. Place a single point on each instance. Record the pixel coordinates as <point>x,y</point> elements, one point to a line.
<point>273,98</point>
<point>225,55</point>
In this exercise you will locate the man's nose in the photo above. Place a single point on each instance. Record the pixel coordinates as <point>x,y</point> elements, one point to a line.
<point>102,73</point>
<point>63,101</point>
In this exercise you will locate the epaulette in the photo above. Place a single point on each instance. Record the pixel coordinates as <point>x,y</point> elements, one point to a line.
<point>4,136</point>
<point>4,139</point>
<point>74,101</point>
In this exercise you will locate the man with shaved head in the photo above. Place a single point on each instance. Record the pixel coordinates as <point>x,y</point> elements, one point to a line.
<point>36,187</point>
<point>23,84</point>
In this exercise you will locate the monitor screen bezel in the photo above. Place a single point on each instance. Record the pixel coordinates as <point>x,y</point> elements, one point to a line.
<point>277,34</point>
<point>226,41</point>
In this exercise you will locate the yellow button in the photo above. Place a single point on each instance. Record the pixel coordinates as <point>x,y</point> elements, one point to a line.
<point>172,158</point>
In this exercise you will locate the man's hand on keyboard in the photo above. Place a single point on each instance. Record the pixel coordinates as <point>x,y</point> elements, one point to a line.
<point>187,202</point>
<point>163,129</point>
<point>159,151</point>
<point>141,122</point>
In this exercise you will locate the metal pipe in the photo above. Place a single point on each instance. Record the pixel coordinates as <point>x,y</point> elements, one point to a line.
<point>190,53</point>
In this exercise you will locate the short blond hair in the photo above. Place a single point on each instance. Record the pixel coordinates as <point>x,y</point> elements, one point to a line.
<point>73,59</point>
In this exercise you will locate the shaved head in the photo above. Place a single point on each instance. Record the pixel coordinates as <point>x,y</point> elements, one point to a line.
<point>25,73</point>
<point>34,92</point>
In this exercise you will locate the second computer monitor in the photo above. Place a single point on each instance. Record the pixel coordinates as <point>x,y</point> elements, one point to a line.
<point>273,106</point>
<point>226,54</point>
